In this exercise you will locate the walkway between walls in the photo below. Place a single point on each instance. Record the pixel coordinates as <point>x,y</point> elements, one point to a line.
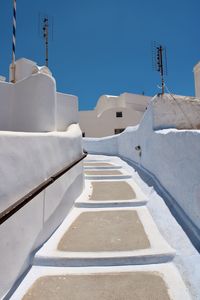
<point>118,242</point>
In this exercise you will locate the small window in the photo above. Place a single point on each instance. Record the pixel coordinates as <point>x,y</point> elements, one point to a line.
<point>119,114</point>
<point>83,134</point>
<point>119,130</point>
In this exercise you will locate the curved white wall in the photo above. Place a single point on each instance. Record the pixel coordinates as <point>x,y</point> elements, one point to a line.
<point>171,155</point>
<point>103,121</point>
<point>106,124</point>
<point>33,105</point>
<point>66,111</point>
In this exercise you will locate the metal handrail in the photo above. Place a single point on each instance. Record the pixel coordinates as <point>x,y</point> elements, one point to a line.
<point>12,209</point>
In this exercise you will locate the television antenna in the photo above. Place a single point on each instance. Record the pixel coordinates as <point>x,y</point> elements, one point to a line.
<point>159,62</point>
<point>46,31</point>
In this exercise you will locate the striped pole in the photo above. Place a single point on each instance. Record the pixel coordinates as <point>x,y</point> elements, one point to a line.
<point>14,41</point>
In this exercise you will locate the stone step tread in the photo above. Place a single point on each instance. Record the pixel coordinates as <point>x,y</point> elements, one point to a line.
<point>112,190</point>
<point>105,231</point>
<point>105,236</point>
<point>137,282</point>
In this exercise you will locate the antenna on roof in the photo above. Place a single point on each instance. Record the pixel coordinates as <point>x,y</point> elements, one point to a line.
<point>159,62</point>
<point>46,24</point>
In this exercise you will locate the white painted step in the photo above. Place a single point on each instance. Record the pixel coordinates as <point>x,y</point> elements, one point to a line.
<point>158,250</point>
<point>161,282</point>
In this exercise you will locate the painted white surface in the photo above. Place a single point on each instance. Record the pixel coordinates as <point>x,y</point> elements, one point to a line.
<point>186,263</point>
<point>171,155</point>
<point>6,102</point>
<point>28,105</point>
<point>172,111</point>
<point>159,250</point>
<point>85,201</point>
<point>38,155</point>
<point>102,121</point>
<point>32,103</point>
<point>27,159</point>
<point>66,111</point>
<point>2,78</point>
<point>174,282</point>
<point>187,258</point>
<point>23,68</point>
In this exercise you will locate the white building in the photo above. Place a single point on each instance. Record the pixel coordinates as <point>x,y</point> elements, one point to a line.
<point>113,114</point>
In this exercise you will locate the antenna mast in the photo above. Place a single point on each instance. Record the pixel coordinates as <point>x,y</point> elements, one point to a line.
<point>46,38</point>
<point>160,67</point>
<point>160,62</point>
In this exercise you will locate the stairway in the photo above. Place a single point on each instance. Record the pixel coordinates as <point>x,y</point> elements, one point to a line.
<point>108,247</point>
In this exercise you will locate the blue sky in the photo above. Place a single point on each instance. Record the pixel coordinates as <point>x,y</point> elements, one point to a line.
<point>104,46</point>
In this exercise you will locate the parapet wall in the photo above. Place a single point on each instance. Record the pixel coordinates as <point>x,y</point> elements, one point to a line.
<point>33,105</point>
<point>27,159</point>
<point>170,155</point>
<point>172,111</point>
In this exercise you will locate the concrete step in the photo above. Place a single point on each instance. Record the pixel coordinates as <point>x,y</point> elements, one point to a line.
<point>102,252</point>
<point>111,193</point>
<point>161,282</point>
<point>100,165</point>
<point>105,236</point>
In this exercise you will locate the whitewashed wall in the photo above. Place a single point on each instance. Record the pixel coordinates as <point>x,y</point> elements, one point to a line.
<point>66,111</point>
<point>170,155</point>
<point>6,101</point>
<point>106,124</point>
<point>33,105</point>
<point>29,104</point>
<point>27,159</point>
<point>102,121</point>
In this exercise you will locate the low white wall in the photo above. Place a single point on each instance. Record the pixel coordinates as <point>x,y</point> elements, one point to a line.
<point>172,111</point>
<point>66,111</point>
<point>171,155</point>
<point>28,105</point>
<point>33,105</point>
<point>6,102</point>
<point>27,159</point>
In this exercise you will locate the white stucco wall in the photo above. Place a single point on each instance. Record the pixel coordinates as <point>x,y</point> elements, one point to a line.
<point>33,105</point>
<point>66,111</point>
<point>171,155</point>
<point>102,121</point>
<point>6,102</point>
<point>173,111</point>
<point>29,104</point>
<point>23,69</point>
<point>27,159</point>
<point>107,123</point>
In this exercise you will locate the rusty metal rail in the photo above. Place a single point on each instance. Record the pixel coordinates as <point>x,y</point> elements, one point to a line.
<point>12,209</point>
